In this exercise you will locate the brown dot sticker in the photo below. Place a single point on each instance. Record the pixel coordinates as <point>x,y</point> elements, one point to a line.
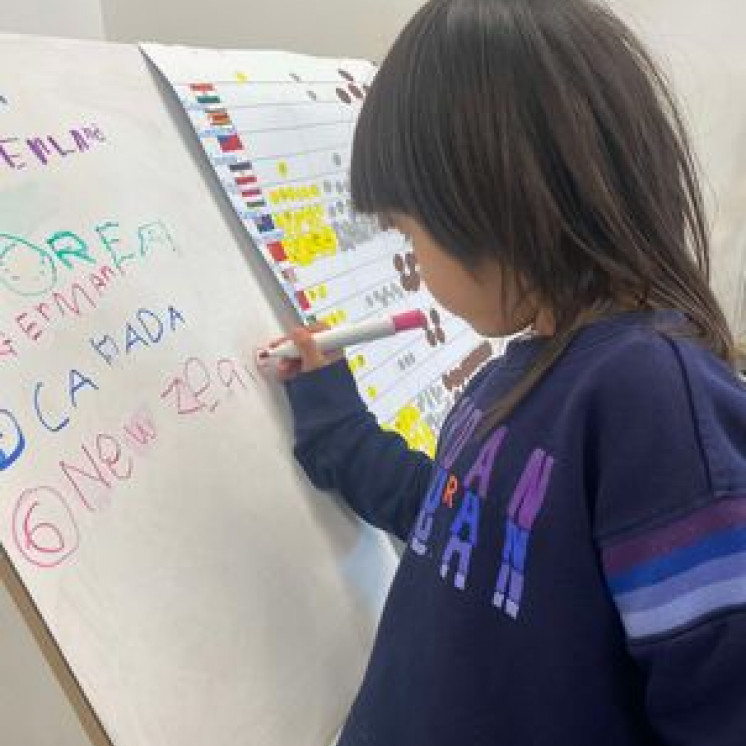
<point>344,96</point>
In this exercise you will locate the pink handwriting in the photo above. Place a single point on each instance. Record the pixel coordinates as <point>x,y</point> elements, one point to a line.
<point>45,523</point>
<point>45,529</point>
<point>194,388</point>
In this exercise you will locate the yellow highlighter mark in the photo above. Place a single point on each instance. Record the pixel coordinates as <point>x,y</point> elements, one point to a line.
<point>357,363</point>
<point>409,424</point>
<point>317,293</point>
<point>307,233</point>
<point>334,318</point>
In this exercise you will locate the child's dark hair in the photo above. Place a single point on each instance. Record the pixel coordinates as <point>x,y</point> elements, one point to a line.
<point>541,134</point>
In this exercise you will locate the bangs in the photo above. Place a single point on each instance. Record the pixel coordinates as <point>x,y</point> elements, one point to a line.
<point>382,172</point>
<point>424,144</point>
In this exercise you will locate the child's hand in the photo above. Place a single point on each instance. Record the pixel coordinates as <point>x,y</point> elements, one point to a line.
<point>311,357</point>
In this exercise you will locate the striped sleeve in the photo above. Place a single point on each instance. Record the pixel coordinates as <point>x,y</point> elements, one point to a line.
<point>677,575</point>
<point>667,465</point>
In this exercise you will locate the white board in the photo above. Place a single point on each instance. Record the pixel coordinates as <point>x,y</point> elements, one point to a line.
<point>199,590</point>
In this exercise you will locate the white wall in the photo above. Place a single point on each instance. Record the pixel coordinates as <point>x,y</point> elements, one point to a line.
<point>351,28</point>
<point>80,19</point>
<point>702,47</point>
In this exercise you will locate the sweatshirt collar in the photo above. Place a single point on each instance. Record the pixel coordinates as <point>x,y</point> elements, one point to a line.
<point>523,349</point>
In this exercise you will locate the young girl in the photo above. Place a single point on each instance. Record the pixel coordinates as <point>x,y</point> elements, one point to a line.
<point>575,570</point>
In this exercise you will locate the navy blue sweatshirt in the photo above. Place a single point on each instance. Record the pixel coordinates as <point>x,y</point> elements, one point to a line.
<point>573,576</point>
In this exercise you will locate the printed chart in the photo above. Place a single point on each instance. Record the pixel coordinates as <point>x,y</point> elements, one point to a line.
<point>277,129</point>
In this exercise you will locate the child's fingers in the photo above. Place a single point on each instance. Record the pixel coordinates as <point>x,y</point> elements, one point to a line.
<point>287,368</point>
<point>329,357</point>
<point>283,369</point>
<point>311,356</point>
<point>315,327</point>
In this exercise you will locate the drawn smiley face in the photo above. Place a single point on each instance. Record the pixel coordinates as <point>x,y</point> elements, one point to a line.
<point>25,268</point>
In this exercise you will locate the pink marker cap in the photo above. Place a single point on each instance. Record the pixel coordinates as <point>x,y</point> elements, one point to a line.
<point>409,320</point>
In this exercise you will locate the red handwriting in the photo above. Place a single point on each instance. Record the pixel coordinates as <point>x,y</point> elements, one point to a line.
<point>45,518</point>
<point>45,528</point>
<point>75,300</point>
<point>198,387</point>
<point>7,348</point>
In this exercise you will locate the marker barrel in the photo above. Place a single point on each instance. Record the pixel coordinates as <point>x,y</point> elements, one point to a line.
<point>332,340</point>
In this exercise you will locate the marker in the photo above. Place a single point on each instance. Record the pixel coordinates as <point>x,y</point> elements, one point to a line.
<point>332,340</point>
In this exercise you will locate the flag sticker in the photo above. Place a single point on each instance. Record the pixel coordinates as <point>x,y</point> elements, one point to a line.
<point>219,118</point>
<point>303,300</point>
<point>245,180</point>
<point>230,143</point>
<point>277,252</point>
<point>242,166</point>
<point>264,223</point>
